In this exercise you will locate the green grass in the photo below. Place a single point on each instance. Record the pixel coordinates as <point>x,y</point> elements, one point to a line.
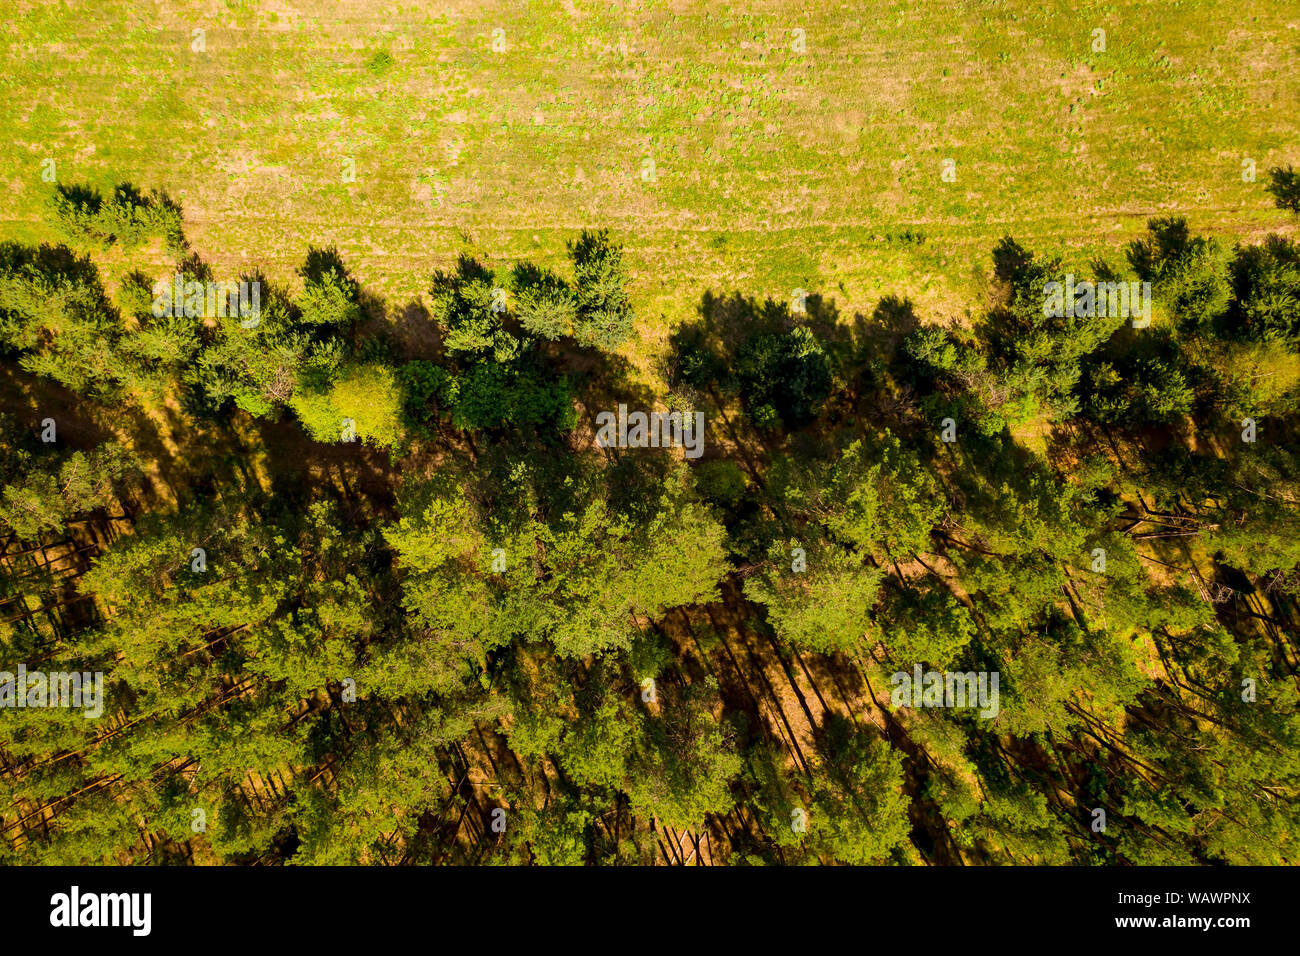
<point>775,169</point>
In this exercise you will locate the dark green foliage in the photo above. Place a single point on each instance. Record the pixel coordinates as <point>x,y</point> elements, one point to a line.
<point>55,316</point>
<point>1189,275</point>
<point>858,814</point>
<point>604,313</point>
<point>469,312</point>
<point>426,391</point>
<point>783,378</point>
<point>1284,185</point>
<point>1144,384</point>
<point>42,490</point>
<point>544,303</point>
<point>330,297</point>
<point>493,396</point>
<point>257,368</point>
<point>499,380</point>
<point>127,218</point>
<point>1266,287</point>
<point>380,63</point>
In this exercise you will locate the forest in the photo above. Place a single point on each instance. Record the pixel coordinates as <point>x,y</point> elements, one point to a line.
<point>370,594</point>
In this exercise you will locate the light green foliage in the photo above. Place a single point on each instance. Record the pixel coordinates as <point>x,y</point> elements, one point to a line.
<point>882,501</point>
<point>544,302</point>
<point>610,574</point>
<point>1189,275</point>
<point>556,835</point>
<point>42,501</point>
<point>366,394</point>
<point>926,624</point>
<point>824,608</point>
<point>81,216</point>
<point>462,306</point>
<point>54,313</point>
<point>602,577</point>
<point>330,297</point>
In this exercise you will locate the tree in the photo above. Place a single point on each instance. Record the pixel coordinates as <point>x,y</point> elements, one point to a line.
<point>83,217</point>
<point>882,501</point>
<point>330,300</point>
<point>823,608</point>
<point>365,397</point>
<point>545,304</point>
<point>1285,187</point>
<point>859,812</point>
<point>1188,274</point>
<point>44,501</point>
<point>784,378</point>
<point>924,623</point>
<point>586,577</point>
<point>55,315</point>
<point>257,367</point>
<point>604,313</point>
<point>686,760</point>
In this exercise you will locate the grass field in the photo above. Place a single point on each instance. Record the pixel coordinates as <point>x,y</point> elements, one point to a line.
<point>774,168</point>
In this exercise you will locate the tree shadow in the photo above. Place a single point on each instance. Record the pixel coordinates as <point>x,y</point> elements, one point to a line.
<point>417,335</point>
